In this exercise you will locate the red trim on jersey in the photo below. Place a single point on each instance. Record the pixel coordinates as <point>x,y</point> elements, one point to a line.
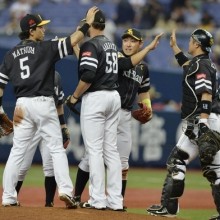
<point>87,53</point>
<point>201,75</point>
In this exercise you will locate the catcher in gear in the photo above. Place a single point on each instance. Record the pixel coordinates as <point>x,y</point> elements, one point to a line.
<point>131,67</point>
<point>200,112</point>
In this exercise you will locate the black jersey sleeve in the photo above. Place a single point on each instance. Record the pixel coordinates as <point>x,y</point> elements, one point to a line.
<point>145,84</point>
<point>88,59</point>
<point>203,81</point>
<point>3,75</point>
<point>60,46</point>
<point>58,90</point>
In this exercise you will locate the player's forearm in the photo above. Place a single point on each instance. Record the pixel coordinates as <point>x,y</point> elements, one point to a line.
<point>76,50</point>
<point>78,35</point>
<point>176,49</point>
<point>81,88</point>
<point>138,57</point>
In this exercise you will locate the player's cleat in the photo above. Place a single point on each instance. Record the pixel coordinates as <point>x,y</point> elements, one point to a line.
<point>11,204</point>
<point>77,200</point>
<point>69,201</point>
<point>86,205</point>
<point>49,204</point>
<point>159,210</point>
<point>215,217</point>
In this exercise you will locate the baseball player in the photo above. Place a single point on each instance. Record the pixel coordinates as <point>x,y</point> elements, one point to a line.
<point>50,182</point>
<point>133,79</point>
<point>30,68</point>
<point>98,68</point>
<point>201,111</point>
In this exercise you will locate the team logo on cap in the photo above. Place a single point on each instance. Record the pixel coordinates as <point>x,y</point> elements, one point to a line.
<point>31,22</point>
<point>130,31</point>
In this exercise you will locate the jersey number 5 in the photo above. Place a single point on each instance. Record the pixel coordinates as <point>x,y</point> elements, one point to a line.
<point>26,70</point>
<point>112,62</point>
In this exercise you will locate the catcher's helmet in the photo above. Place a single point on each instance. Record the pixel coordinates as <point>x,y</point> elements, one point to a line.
<point>204,38</point>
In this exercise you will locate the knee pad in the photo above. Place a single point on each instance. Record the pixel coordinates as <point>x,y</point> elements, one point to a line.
<point>176,165</point>
<point>209,174</point>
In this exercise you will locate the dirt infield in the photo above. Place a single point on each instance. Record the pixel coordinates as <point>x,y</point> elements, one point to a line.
<point>32,200</point>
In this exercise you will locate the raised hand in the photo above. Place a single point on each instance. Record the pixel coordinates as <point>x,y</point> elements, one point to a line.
<point>155,42</point>
<point>91,14</point>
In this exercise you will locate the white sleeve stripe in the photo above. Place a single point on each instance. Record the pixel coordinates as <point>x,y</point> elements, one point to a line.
<point>203,85</point>
<point>65,48</point>
<point>145,85</point>
<point>88,63</point>
<point>3,81</point>
<point>89,58</point>
<point>60,49</point>
<point>3,76</point>
<point>203,81</point>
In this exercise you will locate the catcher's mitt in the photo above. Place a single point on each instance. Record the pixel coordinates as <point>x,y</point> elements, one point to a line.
<point>209,145</point>
<point>72,106</point>
<point>143,114</point>
<point>66,137</point>
<point>6,125</point>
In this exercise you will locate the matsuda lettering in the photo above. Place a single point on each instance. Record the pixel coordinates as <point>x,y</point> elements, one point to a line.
<point>23,50</point>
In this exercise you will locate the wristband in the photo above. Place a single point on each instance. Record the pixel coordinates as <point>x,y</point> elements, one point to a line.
<point>84,28</point>
<point>203,120</point>
<point>62,119</point>
<point>205,106</point>
<point>181,58</point>
<point>147,102</point>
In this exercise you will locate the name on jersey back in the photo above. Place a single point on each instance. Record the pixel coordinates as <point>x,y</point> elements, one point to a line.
<point>23,50</point>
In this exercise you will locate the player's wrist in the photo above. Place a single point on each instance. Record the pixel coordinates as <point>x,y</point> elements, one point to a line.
<point>147,102</point>
<point>85,27</point>
<point>75,97</point>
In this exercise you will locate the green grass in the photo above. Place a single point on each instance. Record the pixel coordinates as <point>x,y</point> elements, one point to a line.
<point>138,178</point>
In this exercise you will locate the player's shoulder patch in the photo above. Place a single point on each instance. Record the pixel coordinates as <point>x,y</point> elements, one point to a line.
<point>87,54</point>
<point>120,55</point>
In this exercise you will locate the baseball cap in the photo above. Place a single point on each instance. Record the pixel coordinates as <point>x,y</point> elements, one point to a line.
<point>31,21</point>
<point>99,17</point>
<point>132,32</point>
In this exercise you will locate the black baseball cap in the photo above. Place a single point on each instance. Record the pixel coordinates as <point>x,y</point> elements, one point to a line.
<point>99,17</point>
<point>134,33</point>
<point>31,21</point>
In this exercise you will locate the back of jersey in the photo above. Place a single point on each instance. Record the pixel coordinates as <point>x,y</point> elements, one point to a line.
<point>99,55</point>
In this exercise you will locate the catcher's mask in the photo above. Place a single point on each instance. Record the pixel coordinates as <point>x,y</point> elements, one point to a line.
<point>204,38</point>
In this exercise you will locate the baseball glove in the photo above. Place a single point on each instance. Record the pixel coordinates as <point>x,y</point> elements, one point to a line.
<point>66,137</point>
<point>143,114</point>
<point>209,145</point>
<point>72,106</point>
<point>6,125</point>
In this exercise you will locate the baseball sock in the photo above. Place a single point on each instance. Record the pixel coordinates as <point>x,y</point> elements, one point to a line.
<point>18,186</point>
<point>124,183</point>
<point>50,188</point>
<point>82,178</point>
